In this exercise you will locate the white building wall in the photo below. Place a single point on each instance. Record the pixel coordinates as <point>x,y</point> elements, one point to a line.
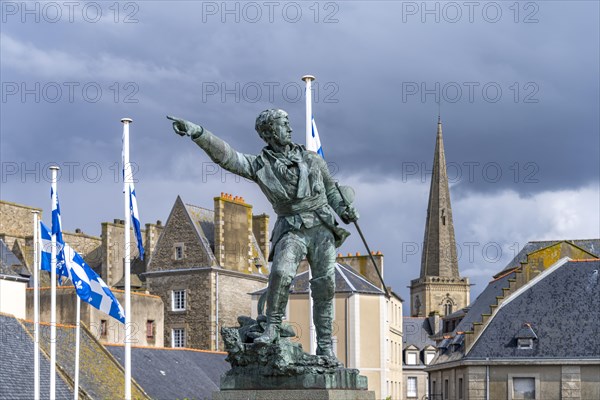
<point>13,297</point>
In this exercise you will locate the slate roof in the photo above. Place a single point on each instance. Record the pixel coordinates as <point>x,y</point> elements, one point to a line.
<point>10,264</point>
<point>526,333</point>
<point>204,222</point>
<point>416,331</point>
<point>563,307</point>
<point>100,375</point>
<point>482,303</point>
<point>16,365</point>
<point>175,373</point>
<point>590,245</point>
<point>346,281</point>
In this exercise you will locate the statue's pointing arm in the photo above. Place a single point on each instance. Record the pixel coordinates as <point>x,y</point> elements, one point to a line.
<point>217,149</point>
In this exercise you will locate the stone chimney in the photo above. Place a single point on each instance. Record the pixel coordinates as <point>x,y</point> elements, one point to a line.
<point>362,264</point>
<point>435,322</point>
<point>260,227</point>
<point>153,232</point>
<point>113,250</point>
<point>233,233</point>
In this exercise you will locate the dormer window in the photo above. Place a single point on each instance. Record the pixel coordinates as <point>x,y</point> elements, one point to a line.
<point>525,337</point>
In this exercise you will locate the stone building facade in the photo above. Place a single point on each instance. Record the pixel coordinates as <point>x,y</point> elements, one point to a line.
<point>105,255</point>
<point>147,316</point>
<point>205,264</point>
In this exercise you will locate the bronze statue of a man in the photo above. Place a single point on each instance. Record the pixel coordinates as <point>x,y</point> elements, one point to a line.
<point>302,192</point>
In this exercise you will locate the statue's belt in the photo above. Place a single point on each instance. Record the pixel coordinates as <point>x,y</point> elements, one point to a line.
<point>288,209</point>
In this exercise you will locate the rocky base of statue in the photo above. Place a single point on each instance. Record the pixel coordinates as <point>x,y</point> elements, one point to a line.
<point>280,365</point>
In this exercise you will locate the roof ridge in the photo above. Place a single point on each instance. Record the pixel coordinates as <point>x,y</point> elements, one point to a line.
<point>349,269</point>
<point>167,348</point>
<point>193,205</point>
<point>337,266</point>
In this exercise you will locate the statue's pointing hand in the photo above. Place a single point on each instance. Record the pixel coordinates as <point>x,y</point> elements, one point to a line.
<point>185,128</point>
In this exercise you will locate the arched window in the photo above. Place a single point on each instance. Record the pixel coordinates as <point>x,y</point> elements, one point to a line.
<point>448,307</point>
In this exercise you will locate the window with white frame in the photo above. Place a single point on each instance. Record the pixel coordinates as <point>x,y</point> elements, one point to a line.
<point>178,337</point>
<point>523,388</point>
<point>178,300</point>
<point>411,358</point>
<point>411,386</point>
<point>429,356</point>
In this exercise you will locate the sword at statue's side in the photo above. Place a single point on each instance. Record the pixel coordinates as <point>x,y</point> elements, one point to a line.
<point>387,293</point>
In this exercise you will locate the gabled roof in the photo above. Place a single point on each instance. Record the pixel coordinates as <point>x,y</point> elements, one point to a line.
<point>590,245</point>
<point>16,365</point>
<point>10,265</point>
<point>526,332</point>
<point>175,373</point>
<point>562,306</point>
<point>346,281</point>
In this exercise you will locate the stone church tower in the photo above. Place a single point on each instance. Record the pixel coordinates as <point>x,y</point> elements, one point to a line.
<point>440,287</point>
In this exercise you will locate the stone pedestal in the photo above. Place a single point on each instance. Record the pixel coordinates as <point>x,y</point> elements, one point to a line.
<point>282,370</point>
<point>315,394</point>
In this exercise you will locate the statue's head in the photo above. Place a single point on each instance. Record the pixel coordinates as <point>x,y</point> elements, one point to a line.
<point>273,127</point>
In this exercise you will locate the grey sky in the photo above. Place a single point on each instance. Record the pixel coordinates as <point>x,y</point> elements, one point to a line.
<point>524,164</point>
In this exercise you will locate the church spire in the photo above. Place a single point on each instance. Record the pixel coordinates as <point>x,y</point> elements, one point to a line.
<point>439,245</point>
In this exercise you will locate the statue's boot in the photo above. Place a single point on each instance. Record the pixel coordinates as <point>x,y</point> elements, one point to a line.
<point>323,319</point>
<point>276,302</point>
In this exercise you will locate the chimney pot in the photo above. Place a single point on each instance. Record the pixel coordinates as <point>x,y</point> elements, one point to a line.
<point>358,254</point>
<point>78,230</point>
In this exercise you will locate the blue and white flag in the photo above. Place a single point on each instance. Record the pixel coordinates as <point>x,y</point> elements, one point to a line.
<point>135,220</point>
<point>88,285</point>
<point>315,142</point>
<point>57,231</point>
<point>133,208</point>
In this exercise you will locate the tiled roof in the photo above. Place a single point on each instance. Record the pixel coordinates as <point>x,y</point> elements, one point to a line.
<point>175,373</point>
<point>526,333</point>
<point>590,245</point>
<point>562,306</point>
<point>16,365</point>
<point>416,332</point>
<point>100,376</point>
<point>10,264</point>
<point>482,303</point>
<point>204,222</point>
<point>346,281</point>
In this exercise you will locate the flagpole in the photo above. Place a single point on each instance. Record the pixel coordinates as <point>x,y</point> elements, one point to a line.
<point>36,307</point>
<point>127,266</point>
<point>77,335</point>
<point>53,170</point>
<point>308,94</point>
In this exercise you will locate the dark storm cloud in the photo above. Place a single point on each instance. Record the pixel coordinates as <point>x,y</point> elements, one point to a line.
<point>519,100</point>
